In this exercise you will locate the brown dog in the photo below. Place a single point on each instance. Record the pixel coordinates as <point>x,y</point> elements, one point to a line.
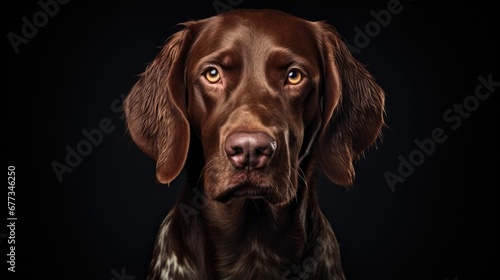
<point>249,102</point>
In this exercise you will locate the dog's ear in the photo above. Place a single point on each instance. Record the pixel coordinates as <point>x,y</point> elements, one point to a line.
<point>353,109</point>
<point>155,109</point>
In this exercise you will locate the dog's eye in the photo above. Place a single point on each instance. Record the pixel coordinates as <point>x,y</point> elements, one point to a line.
<point>294,77</point>
<point>212,75</point>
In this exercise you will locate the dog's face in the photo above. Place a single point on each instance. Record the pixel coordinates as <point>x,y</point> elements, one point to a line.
<point>262,90</point>
<point>252,92</point>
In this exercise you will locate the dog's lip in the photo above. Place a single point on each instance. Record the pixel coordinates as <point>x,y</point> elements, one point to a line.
<point>249,191</point>
<point>246,190</point>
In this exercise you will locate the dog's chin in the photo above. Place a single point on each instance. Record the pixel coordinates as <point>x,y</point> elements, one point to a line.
<point>251,185</point>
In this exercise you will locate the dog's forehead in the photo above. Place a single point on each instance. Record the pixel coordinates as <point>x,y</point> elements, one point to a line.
<point>255,28</point>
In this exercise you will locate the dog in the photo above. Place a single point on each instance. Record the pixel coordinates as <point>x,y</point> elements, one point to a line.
<point>251,103</point>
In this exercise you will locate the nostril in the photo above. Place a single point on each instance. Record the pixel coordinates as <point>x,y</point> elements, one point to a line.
<point>233,150</point>
<point>249,150</point>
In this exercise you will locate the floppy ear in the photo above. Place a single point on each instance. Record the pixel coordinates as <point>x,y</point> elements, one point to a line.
<point>155,109</point>
<point>353,109</point>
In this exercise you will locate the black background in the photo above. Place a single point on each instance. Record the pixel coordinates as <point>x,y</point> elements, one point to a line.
<point>101,220</point>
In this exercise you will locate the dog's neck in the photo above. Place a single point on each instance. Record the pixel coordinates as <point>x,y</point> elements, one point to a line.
<point>242,233</point>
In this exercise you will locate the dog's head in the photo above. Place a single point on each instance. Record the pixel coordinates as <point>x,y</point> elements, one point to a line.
<point>263,90</point>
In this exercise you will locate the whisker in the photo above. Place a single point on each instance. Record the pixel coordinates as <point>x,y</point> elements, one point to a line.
<point>204,172</point>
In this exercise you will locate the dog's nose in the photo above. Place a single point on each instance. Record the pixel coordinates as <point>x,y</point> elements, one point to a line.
<point>249,150</point>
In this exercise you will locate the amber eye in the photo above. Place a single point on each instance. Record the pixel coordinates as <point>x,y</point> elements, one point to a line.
<point>294,77</point>
<point>212,75</point>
